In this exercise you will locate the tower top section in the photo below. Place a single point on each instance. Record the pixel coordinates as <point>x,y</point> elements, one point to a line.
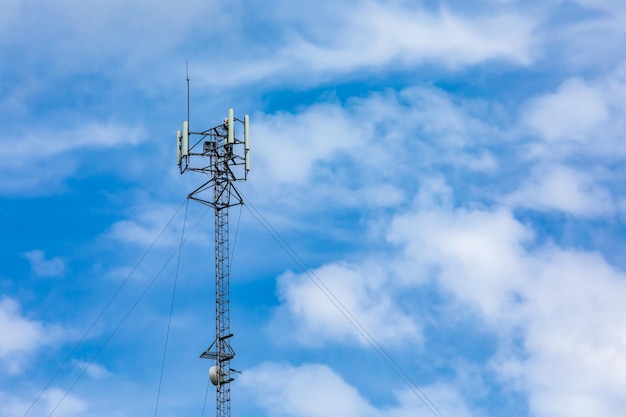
<point>228,142</point>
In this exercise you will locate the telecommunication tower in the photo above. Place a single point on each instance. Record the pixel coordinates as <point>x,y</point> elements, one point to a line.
<point>228,162</point>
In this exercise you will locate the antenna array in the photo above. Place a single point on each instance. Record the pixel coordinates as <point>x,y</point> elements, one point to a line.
<point>228,163</point>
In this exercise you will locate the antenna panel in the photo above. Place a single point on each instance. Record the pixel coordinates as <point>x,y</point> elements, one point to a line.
<point>231,125</point>
<point>179,136</point>
<point>246,136</point>
<point>185,139</point>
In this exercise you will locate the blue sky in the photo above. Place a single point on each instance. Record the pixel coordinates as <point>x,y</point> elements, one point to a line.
<point>453,173</point>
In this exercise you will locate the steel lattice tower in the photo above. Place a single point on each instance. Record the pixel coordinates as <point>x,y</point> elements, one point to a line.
<point>228,164</point>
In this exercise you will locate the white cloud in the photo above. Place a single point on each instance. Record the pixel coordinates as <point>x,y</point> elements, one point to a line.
<point>565,305</point>
<point>573,113</point>
<point>57,153</point>
<point>609,5</point>
<point>23,336</point>
<point>364,292</point>
<point>563,189</point>
<point>149,219</point>
<point>315,390</point>
<point>132,231</point>
<point>482,252</point>
<point>444,398</point>
<point>587,40</point>
<point>72,36</point>
<point>16,405</point>
<point>582,118</point>
<point>365,152</point>
<point>44,267</point>
<point>575,349</point>
<point>289,145</point>
<point>306,391</point>
<point>368,35</point>
<point>434,193</point>
<point>384,195</point>
<point>93,370</point>
<point>376,33</point>
<point>35,147</point>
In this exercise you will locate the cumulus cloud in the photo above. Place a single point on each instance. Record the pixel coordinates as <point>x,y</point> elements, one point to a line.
<point>575,340</point>
<point>145,229</point>
<point>23,336</point>
<point>366,152</point>
<point>290,145</point>
<point>608,5</point>
<point>573,113</point>
<point>124,33</point>
<point>43,145</point>
<point>581,118</point>
<point>471,244</point>
<point>396,32</point>
<point>586,40</point>
<point>576,137</point>
<point>368,35</point>
<point>93,370</point>
<point>307,391</point>
<point>16,405</point>
<point>58,153</point>
<point>563,189</point>
<point>151,222</point>
<point>315,390</point>
<point>365,298</point>
<point>563,304</point>
<point>44,267</point>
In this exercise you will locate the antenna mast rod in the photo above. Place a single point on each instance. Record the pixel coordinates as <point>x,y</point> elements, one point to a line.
<point>187,72</point>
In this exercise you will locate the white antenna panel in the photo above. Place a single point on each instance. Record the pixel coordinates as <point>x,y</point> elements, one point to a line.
<point>179,136</point>
<point>185,140</point>
<point>231,125</point>
<point>246,136</point>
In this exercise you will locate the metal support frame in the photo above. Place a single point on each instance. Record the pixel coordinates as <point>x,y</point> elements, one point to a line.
<point>227,165</point>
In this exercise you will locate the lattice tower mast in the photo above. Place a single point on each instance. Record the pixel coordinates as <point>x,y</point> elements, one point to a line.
<point>228,163</point>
